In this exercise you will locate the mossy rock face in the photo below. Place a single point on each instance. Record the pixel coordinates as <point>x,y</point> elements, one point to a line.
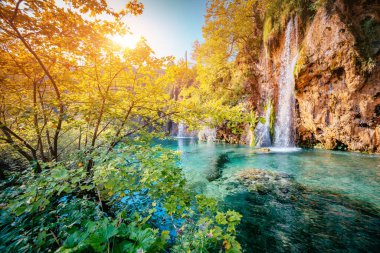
<point>280,185</point>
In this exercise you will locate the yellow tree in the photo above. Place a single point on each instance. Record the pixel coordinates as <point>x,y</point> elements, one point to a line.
<point>225,62</point>
<point>120,93</point>
<point>198,105</point>
<point>43,44</point>
<point>232,41</point>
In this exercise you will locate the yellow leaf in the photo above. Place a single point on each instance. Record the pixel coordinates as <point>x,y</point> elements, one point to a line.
<point>226,244</point>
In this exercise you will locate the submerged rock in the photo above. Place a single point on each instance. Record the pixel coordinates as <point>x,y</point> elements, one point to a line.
<point>285,216</point>
<point>281,185</point>
<point>217,170</point>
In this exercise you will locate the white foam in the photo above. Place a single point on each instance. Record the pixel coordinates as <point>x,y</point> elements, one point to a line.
<point>284,150</point>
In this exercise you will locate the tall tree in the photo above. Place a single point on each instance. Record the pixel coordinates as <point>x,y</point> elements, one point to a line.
<point>58,69</point>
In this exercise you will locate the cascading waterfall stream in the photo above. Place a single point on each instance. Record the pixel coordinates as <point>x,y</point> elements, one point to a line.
<point>262,130</point>
<point>284,128</point>
<point>181,130</point>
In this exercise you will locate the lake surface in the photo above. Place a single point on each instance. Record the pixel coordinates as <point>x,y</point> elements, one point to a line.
<point>331,202</point>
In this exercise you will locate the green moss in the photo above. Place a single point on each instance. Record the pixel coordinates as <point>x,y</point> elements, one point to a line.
<point>272,120</point>
<point>314,6</point>
<point>369,27</point>
<point>253,138</point>
<point>278,12</point>
<point>300,62</point>
<point>267,29</point>
<point>370,31</point>
<point>366,35</point>
<point>252,120</point>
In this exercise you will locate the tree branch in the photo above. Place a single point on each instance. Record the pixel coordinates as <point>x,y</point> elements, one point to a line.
<point>139,128</point>
<point>16,10</point>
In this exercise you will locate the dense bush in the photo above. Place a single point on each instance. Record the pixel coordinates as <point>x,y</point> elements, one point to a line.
<point>133,200</point>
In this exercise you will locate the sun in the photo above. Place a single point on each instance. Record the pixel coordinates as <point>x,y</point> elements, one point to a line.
<point>126,41</point>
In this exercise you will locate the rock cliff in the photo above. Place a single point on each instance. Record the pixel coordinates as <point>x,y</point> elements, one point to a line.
<point>337,78</point>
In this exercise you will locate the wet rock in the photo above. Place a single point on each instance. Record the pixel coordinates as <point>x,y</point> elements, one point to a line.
<point>217,170</point>
<point>280,185</point>
<point>262,150</point>
<point>337,94</point>
<point>284,190</point>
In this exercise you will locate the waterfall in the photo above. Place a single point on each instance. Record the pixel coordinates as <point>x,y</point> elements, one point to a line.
<point>207,134</point>
<point>181,130</point>
<point>284,129</point>
<point>262,130</point>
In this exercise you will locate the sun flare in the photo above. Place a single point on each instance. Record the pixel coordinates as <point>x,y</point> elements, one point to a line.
<point>126,41</point>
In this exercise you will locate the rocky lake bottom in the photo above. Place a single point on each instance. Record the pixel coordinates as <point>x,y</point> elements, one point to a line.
<point>292,200</point>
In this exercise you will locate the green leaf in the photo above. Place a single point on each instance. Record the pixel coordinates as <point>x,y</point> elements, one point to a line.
<point>59,174</point>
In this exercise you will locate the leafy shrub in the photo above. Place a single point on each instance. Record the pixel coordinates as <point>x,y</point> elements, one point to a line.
<point>119,205</point>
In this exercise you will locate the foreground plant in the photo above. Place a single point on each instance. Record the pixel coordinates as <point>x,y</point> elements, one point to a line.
<point>134,200</point>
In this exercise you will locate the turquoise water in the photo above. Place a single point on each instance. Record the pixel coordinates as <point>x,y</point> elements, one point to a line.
<point>336,209</point>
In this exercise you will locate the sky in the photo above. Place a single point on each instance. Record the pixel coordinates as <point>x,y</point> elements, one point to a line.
<point>170,26</point>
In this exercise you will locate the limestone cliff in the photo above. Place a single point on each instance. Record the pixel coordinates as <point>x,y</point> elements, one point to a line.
<point>337,78</point>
